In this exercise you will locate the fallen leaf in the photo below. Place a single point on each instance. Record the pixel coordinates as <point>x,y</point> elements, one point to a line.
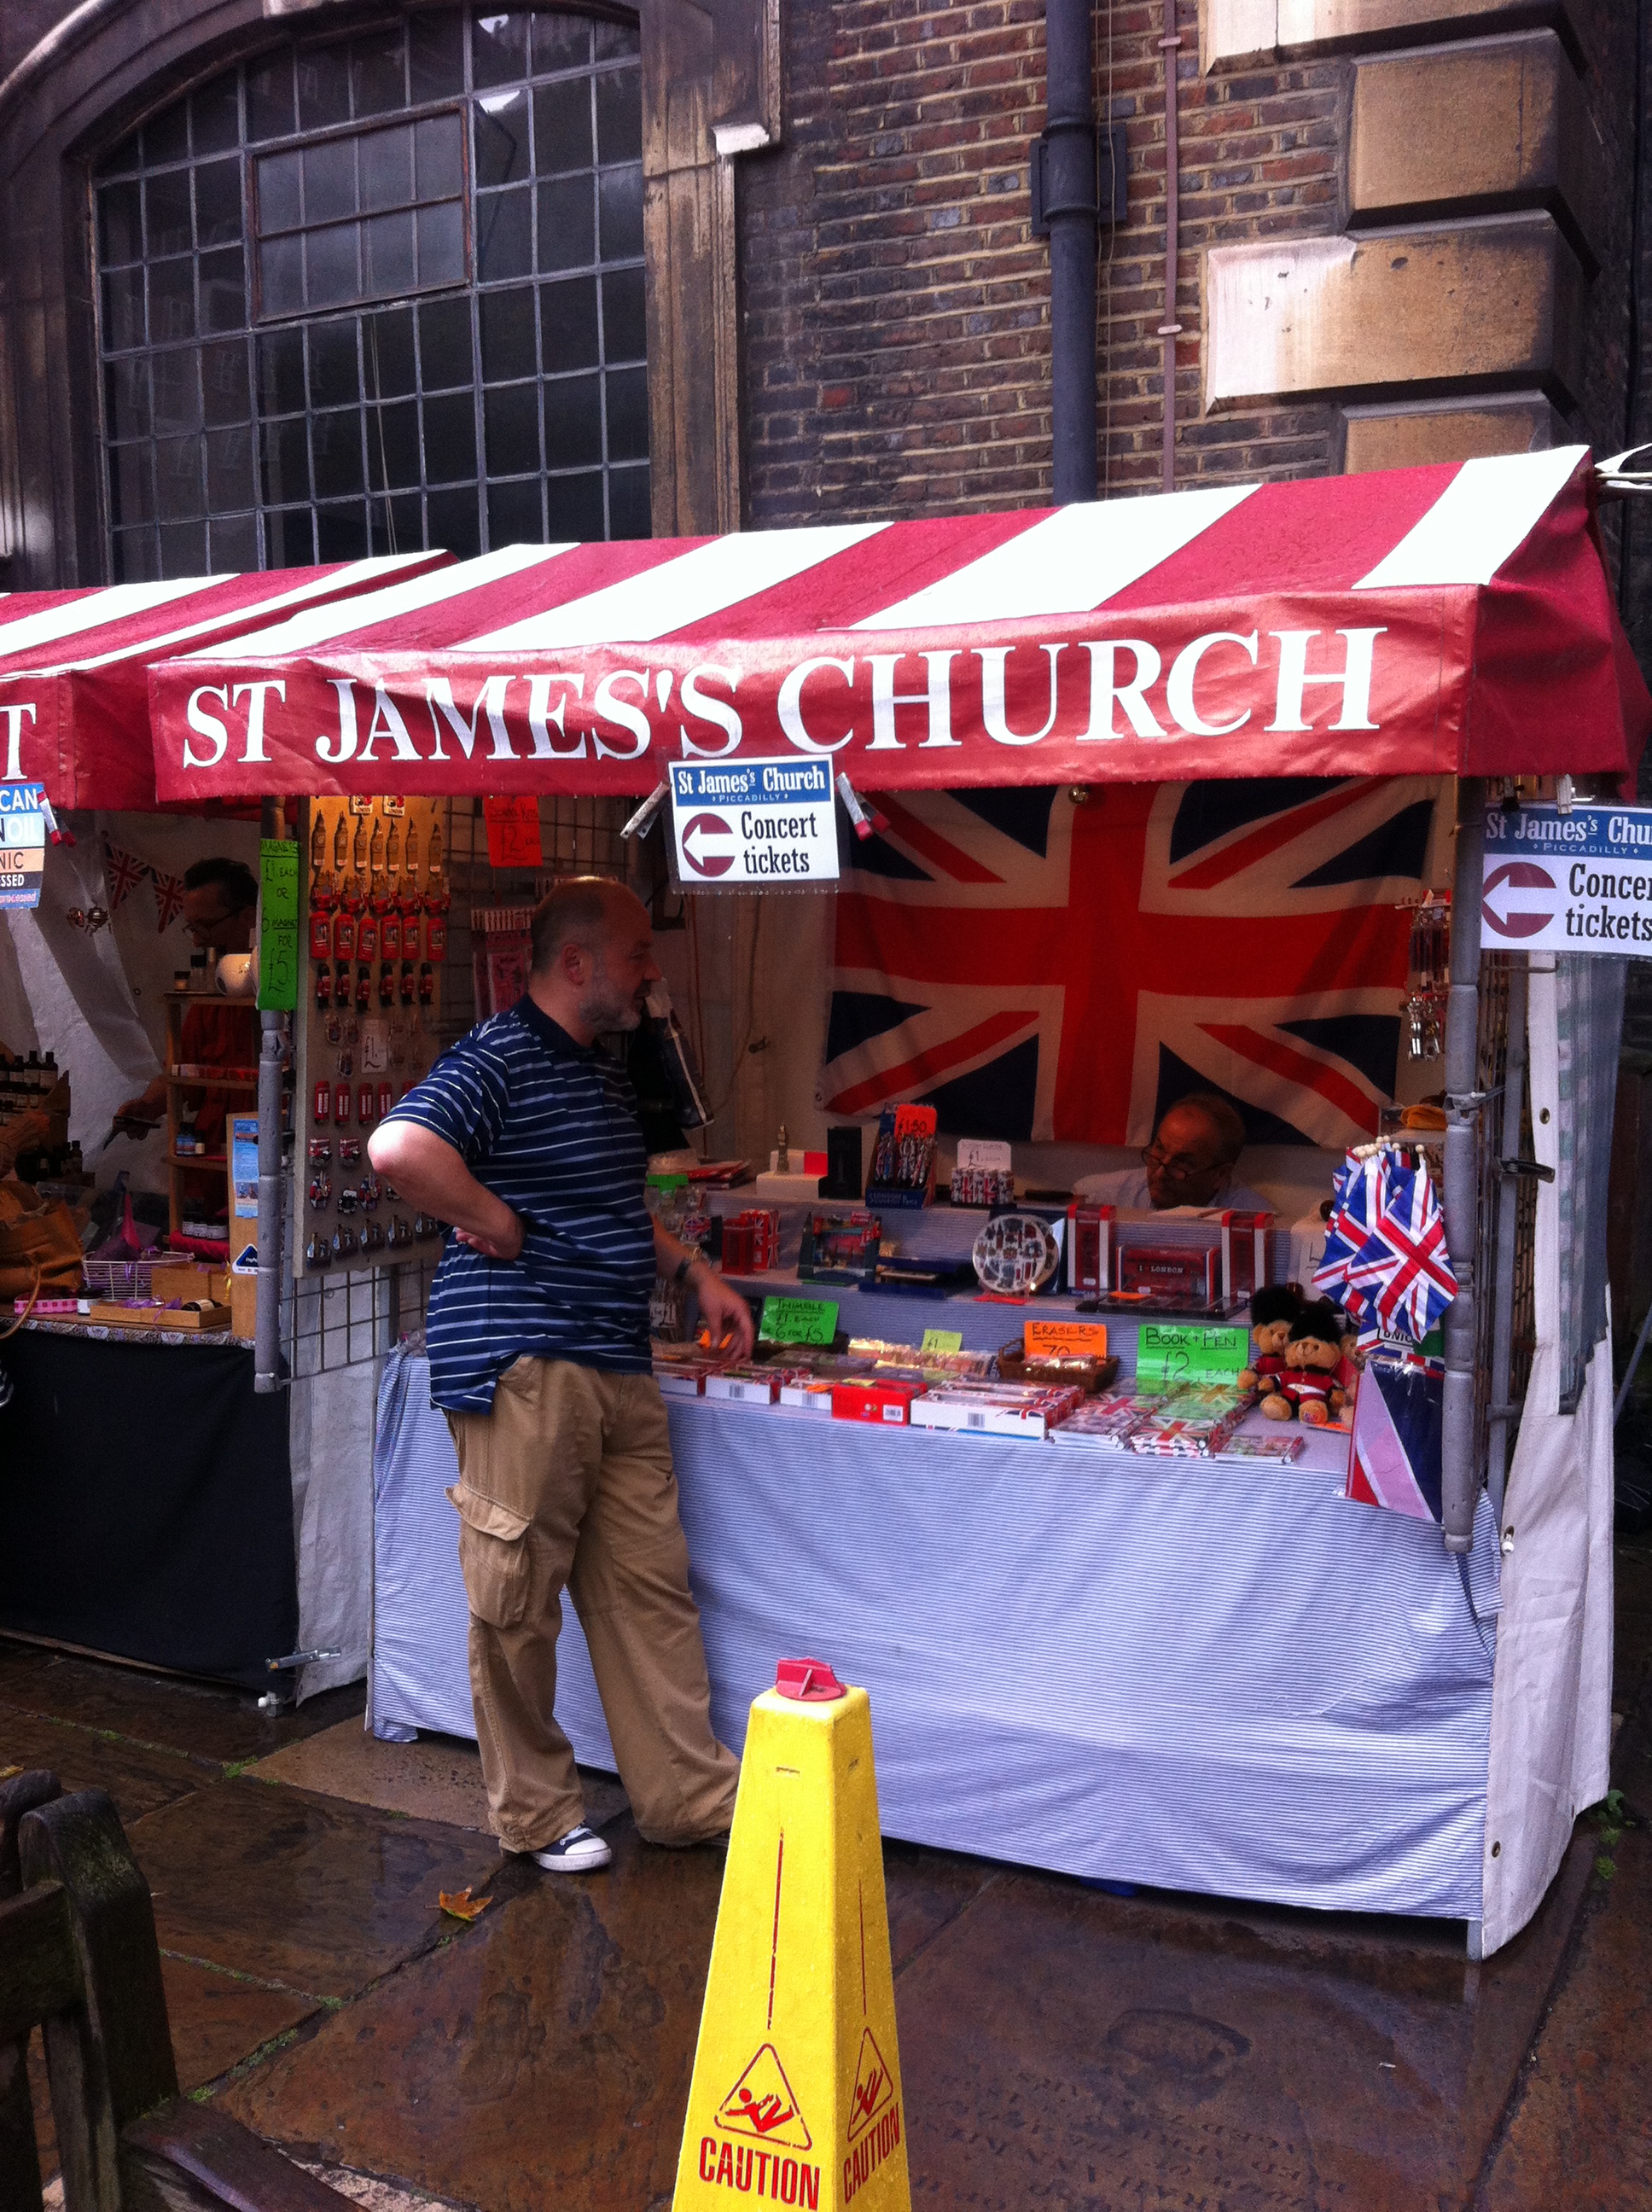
<point>461,1904</point>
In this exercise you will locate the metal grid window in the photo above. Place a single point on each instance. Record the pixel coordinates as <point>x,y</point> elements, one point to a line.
<point>379,294</point>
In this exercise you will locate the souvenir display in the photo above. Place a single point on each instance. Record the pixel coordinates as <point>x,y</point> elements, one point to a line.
<point>1184,1280</point>
<point>886,1400</point>
<point>1307,1390</point>
<point>1191,1425</point>
<point>366,1027</point>
<point>1001,1409</point>
<point>1109,1419</point>
<point>1272,1309</point>
<point>1090,1250</point>
<point>839,1248</point>
<point>1281,1450</point>
<point>752,1242</point>
<point>982,1187</point>
<point>1016,1254</point>
<point>902,1158</point>
<point>1385,1249</point>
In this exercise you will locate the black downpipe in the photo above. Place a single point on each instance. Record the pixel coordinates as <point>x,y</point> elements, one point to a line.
<point>1071,211</point>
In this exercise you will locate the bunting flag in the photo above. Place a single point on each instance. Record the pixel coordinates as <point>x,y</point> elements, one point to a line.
<point>168,897</point>
<point>1035,965</point>
<point>123,872</point>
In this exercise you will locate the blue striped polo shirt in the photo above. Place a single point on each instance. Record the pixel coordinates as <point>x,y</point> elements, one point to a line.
<point>551,1127</point>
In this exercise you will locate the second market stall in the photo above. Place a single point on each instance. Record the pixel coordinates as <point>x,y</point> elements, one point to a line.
<point>1344,1706</point>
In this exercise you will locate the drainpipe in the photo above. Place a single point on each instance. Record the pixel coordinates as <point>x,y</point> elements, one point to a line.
<point>1459,1473</point>
<point>1071,211</point>
<point>1170,330</point>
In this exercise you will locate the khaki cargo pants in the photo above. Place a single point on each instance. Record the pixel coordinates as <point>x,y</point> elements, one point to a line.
<point>568,1482</point>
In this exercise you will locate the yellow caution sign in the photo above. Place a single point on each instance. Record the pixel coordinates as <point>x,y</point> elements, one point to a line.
<point>796,2098</point>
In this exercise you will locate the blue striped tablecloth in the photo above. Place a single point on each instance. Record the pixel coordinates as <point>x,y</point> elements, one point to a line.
<point>1220,1679</point>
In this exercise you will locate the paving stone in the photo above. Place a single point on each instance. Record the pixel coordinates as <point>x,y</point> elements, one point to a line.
<point>1065,2048</point>
<point>439,1777</point>
<point>1579,2138</point>
<point>298,1889</point>
<point>216,2020</point>
<point>540,2058</point>
<point>199,1718</point>
<point>139,1779</point>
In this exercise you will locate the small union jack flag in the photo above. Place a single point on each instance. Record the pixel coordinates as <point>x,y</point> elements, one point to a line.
<point>124,871</point>
<point>1417,1283</point>
<point>168,897</point>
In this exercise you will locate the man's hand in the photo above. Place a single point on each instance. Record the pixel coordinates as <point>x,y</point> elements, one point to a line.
<point>505,1244</point>
<point>722,1309</point>
<point>148,1106</point>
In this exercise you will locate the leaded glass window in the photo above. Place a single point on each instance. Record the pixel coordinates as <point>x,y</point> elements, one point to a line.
<point>380,293</point>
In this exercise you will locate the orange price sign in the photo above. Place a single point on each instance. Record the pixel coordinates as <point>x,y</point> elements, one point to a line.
<point>1043,1339</point>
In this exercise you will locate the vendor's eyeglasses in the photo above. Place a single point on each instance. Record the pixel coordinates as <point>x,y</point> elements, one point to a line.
<point>202,931</point>
<point>1176,1167</point>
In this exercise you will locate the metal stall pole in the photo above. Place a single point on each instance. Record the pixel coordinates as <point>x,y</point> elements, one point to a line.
<point>1459,1472</point>
<point>1502,1290</point>
<point>266,1327</point>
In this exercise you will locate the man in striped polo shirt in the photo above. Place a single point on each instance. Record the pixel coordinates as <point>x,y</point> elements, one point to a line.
<point>526,1139</point>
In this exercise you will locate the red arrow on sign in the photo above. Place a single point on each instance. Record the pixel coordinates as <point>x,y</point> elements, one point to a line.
<point>709,830</point>
<point>1517,875</point>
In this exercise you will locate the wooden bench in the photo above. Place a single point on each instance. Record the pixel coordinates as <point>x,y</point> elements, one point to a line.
<point>79,1959</point>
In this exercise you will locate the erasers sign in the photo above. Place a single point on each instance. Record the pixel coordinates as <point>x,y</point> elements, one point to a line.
<point>741,823</point>
<point>22,843</point>
<point>1569,883</point>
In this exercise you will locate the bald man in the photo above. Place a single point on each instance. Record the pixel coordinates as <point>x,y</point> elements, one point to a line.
<point>526,1139</point>
<point>1190,1162</point>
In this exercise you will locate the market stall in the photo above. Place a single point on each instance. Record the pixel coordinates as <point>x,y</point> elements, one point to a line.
<point>1362,1707</point>
<point>170,1536</point>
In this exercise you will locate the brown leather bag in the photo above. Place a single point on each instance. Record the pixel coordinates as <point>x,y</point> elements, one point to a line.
<point>40,1245</point>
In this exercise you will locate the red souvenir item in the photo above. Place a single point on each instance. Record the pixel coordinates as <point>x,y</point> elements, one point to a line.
<point>390,934</point>
<point>364,1103</point>
<point>323,987</point>
<point>366,938</point>
<point>364,987</point>
<point>407,982</point>
<point>321,933</point>
<point>386,984</point>
<point>383,1100</point>
<point>340,1103</point>
<point>1307,1387</point>
<point>323,1103</point>
<point>436,936</point>
<point>427,983</point>
<point>343,934</point>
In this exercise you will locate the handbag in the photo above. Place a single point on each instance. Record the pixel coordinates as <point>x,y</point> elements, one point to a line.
<point>40,1245</point>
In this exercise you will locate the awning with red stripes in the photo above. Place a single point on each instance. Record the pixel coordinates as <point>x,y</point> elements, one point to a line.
<point>1420,621</point>
<point>74,665</point>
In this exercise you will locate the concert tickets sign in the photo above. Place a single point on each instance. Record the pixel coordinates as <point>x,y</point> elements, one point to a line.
<point>1569,883</point>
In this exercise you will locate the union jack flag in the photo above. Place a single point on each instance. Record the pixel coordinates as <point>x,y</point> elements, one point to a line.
<point>168,897</point>
<point>1385,1249</point>
<point>124,873</point>
<point>1394,1459</point>
<point>1038,966</point>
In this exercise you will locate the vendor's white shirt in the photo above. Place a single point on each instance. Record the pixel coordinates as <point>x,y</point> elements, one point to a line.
<point>1126,1189</point>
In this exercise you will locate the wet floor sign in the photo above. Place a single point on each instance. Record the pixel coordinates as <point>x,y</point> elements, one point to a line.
<point>796,2097</point>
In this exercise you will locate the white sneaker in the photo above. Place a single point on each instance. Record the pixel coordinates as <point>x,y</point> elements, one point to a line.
<point>579,1852</point>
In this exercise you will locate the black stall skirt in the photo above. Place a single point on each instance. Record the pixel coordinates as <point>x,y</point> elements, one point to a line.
<point>146,1505</point>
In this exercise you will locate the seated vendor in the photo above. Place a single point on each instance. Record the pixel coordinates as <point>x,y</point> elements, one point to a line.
<point>221,899</point>
<point>1190,1162</point>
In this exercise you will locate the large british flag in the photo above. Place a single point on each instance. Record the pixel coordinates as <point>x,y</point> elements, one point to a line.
<point>1039,966</point>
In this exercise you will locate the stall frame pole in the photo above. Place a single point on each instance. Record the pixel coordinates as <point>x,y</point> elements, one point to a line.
<point>267,1366</point>
<point>1501,1411</point>
<point>1459,1466</point>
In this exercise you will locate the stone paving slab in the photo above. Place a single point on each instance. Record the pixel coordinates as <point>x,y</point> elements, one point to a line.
<point>439,1777</point>
<point>203,1719</point>
<point>139,1779</point>
<point>299,1890</point>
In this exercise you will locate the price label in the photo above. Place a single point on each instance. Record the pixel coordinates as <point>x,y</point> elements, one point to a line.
<point>943,1340</point>
<point>1167,1358</point>
<point>513,833</point>
<point>1081,1339</point>
<point>797,1321</point>
<point>278,924</point>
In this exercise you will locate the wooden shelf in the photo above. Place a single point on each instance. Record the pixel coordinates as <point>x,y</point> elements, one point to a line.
<point>200,1160</point>
<point>213,1081</point>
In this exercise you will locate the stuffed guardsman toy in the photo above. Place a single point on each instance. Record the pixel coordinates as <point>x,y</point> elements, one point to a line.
<point>1272,1309</point>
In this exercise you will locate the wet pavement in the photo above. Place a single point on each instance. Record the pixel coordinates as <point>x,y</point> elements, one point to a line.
<point>1062,2047</point>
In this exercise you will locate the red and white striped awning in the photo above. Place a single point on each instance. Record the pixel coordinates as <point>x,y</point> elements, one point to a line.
<point>74,665</point>
<point>1422,621</point>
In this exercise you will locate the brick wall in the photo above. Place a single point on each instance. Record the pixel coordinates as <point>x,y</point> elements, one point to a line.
<point>896,301</point>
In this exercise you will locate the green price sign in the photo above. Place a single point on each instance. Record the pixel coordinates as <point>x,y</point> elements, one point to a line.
<point>1167,1358</point>
<point>278,924</point>
<point>797,1321</point>
<point>943,1340</point>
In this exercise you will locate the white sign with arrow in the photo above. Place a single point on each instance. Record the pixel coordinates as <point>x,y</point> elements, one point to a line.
<point>1580,882</point>
<point>748,824</point>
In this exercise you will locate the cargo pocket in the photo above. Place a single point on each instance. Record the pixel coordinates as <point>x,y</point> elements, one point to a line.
<point>493,1558</point>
